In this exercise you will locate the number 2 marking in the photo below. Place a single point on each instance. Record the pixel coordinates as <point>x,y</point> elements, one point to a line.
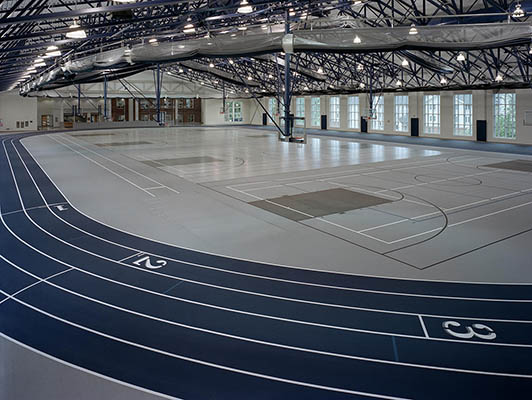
<point>471,331</point>
<point>146,262</point>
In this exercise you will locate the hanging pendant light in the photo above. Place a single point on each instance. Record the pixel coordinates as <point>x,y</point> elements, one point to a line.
<point>245,8</point>
<point>75,32</point>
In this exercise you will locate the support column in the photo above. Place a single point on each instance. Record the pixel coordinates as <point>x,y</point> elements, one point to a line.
<point>79,99</point>
<point>287,88</point>
<point>158,93</point>
<point>105,98</point>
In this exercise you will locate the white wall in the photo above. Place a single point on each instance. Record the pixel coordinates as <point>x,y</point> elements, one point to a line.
<point>482,110</point>
<point>15,108</point>
<point>210,111</point>
<point>53,107</point>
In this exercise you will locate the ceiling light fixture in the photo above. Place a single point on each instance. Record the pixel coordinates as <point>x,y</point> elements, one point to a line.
<point>518,12</point>
<point>320,70</point>
<point>231,62</point>
<point>461,57</point>
<point>362,85</point>
<point>443,80</point>
<point>76,33</point>
<point>405,62</point>
<point>398,83</point>
<point>357,39</point>
<point>211,65</point>
<point>360,67</point>
<point>498,78</point>
<point>52,48</point>
<point>245,8</point>
<point>413,30</point>
<point>189,28</point>
<point>55,53</point>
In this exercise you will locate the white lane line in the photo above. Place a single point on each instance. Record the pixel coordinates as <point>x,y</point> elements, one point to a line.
<point>120,165</point>
<point>39,280</point>
<point>390,169</point>
<point>255,314</point>
<point>309,216</point>
<point>131,256</point>
<point>231,369</point>
<point>88,371</point>
<point>350,274</point>
<point>244,372</point>
<point>155,187</point>
<point>423,326</point>
<point>217,333</point>
<point>246,274</point>
<point>104,167</point>
<point>35,208</point>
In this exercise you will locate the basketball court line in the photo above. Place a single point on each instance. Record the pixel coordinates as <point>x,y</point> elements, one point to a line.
<point>270,264</point>
<point>128,266</point>
<point>362,232</point>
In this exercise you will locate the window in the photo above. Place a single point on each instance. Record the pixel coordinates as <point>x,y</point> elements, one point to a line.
<point>504,115</point>
<point>353,112</point>
<point>233,111</point>
<point>334,112</point>
<point>272,107</point>
<point>463,115</point>
<point>315,111</point>
<point>431,114</point>
<point>300,111</point>
<point>377,123</point>
<point>401,113</point>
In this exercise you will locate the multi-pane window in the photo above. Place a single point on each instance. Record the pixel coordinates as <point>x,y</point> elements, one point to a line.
<point>273,107</point>
<point>463,115</point>
<point>401,113</point>
<point>300,111</point>
<point>233,111</point>
<point>377,122</point>
<point>353,112</point>
<point>504,115</point>
<point>431,114</point>
<point>334,112</point>
<point>315,111</point>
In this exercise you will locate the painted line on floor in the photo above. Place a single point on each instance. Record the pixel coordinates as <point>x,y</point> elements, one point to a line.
<point>120,164</point>
<point>104,167</point>
<point>295,267</point>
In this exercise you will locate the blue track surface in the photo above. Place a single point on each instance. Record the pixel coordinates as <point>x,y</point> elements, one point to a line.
<point>201,326</point>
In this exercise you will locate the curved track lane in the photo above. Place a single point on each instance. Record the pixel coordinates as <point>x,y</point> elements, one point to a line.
<point>195,325</point>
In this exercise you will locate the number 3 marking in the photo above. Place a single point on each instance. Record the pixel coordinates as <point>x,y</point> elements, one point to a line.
<point>472,331</point>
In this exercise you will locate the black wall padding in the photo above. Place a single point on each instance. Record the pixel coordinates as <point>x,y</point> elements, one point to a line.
<point>414,126</point>
<point>482,130</point>
<point>323,122</point>
<point>363,125</point>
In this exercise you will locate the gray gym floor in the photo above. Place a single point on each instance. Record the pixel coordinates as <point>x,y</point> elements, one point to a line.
<point>333,204</point>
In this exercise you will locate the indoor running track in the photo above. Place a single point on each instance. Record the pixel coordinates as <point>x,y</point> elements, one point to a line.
<point>193,325</point>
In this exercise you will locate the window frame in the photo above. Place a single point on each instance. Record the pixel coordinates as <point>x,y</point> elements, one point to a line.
<point>401,110</point>
<point>377,122</point>
<point>431,126</point>
<point>462,112</point>
<point>507,125</point>
<point>334,112</point>
<point>300,110</point>
<point>353,112</point>
<point>315,111</point>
